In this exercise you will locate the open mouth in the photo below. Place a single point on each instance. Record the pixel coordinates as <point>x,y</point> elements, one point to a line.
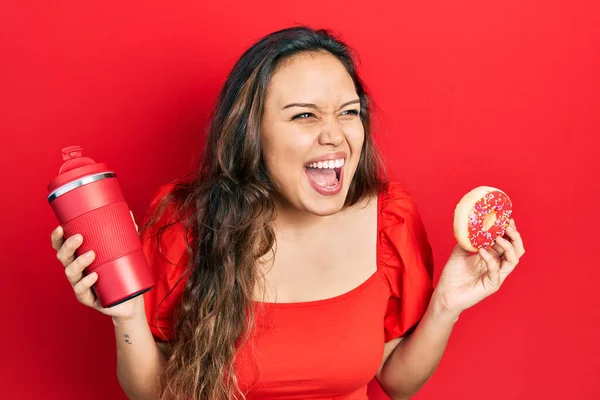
<point>326,176</point>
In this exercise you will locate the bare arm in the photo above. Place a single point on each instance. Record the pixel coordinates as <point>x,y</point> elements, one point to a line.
<point>411,360</point>
<point>466,280</point>
<point>139,357</point>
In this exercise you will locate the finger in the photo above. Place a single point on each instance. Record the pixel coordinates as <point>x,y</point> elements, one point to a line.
<point>510,256</point>
<point>74,271</point>
<point>66,253</point>
<point>133,218</point>
<point>493,265</point>
<point>516,239</point>
<point>83,290</point>
<point>57,238</point>
<point>496,250</point>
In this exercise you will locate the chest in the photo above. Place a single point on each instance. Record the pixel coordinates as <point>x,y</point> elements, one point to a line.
<point>328,348</point>
<point>324,262</point>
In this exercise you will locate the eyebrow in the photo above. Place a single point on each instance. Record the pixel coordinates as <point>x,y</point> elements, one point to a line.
<point>311,105</point>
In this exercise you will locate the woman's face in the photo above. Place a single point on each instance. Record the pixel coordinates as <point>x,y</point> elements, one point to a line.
<point>312,134</point>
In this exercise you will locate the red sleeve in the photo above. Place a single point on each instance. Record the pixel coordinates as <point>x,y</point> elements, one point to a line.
<point>405,259</point>
<point>167,257</point>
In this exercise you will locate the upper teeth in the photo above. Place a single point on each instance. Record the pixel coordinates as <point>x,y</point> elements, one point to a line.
<point>328,164</point>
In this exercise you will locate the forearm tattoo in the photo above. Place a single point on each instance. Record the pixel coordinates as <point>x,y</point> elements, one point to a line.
<point>127,339</point>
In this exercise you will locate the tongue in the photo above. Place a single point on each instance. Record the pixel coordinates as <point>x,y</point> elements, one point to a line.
<point>323,177</point>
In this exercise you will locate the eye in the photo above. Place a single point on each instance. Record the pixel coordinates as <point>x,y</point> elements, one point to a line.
<point>350,112</point>
<point>303,116</point>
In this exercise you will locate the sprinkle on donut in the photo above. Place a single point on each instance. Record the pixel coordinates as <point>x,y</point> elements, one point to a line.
<point>493,202</point>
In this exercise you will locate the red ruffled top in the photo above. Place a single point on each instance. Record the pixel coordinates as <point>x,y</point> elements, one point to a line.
<point>323,349</point>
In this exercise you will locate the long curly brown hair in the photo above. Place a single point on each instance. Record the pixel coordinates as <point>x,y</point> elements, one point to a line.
<point>227,207</point>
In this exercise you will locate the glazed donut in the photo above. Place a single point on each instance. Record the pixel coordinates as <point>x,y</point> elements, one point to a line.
<point>480,217</point>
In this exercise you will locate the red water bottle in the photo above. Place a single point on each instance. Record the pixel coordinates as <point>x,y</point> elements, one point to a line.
<point>87,199</point>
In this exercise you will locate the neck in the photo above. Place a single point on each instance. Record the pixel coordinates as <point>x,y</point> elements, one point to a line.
<point>292,220</point>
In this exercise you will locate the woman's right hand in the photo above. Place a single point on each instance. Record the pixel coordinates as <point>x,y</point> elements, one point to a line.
<point>82,284</point>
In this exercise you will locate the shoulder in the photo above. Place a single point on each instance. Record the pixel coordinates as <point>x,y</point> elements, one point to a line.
<point>395,204</point>
<point>164,235</point>
<point>164,240</point>
<point>404,259</point>
<point>402,237</point>
<point>166,207</point>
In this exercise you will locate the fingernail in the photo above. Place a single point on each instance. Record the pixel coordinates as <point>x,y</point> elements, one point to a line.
<point>89,254</point>
<point>77,238</point>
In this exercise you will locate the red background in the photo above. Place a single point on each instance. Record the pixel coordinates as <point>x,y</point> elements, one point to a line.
<point>471,93</point>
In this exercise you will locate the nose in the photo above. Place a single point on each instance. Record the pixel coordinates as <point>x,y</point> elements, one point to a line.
<point>331,134</point>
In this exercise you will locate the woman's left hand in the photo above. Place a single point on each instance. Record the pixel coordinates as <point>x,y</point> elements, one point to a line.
<point>469,278</point>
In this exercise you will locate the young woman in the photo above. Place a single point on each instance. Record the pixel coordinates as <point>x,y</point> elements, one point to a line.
<point>287,267</point>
